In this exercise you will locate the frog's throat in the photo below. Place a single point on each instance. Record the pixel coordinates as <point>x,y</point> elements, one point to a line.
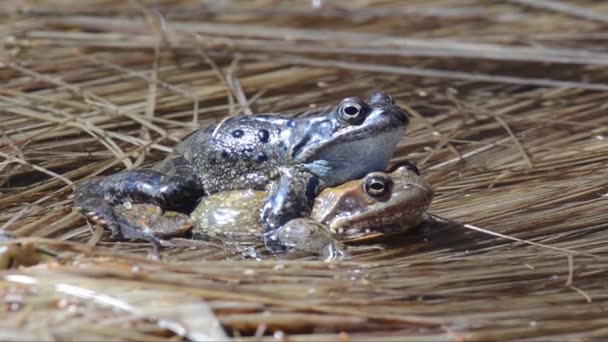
<point>347,159</point>
<point>371,135</point>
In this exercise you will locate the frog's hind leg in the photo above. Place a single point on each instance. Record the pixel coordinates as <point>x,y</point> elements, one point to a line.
<point>96,197</point>
<point>88,199</point>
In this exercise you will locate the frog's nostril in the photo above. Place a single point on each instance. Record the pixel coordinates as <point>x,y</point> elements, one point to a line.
<point>380,97</point>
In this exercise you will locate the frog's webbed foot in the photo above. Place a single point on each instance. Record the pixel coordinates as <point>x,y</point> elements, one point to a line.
<point>91,203</point>
<point>273,243</point>
<point>101,212</point>
<point>310,236</point>
<point>96,199</point>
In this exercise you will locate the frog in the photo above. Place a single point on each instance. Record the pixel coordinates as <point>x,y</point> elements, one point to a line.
<point>291,158</point>
<point>379,204</point>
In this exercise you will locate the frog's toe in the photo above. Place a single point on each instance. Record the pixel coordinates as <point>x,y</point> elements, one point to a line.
<point>120,229</point>
<point>273,243</point>
<point>333,252</point>
<point>123,230</point>
<point>104,217</point>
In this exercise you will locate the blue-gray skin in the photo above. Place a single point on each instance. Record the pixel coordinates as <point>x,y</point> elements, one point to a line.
<point>294,159</point>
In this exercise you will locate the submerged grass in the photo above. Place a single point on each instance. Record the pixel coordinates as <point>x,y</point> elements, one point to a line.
<point>509,124</point>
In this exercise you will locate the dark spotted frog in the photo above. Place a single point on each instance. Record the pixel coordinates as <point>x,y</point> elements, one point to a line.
<point>293,159</point>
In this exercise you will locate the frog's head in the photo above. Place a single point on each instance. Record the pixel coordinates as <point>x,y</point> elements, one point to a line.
<point>378,203</point>
<point>352,139</point>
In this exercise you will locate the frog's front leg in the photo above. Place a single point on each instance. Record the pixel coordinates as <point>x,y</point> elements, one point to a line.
<point>290,197</point>
<point>95,197</point>
<point>286,221</point>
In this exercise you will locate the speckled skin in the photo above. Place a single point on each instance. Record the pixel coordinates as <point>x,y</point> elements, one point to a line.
<point>293,159</point>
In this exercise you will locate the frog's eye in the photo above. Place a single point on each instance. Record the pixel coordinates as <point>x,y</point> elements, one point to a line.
<point>352,112</point>
<point>377,186</point>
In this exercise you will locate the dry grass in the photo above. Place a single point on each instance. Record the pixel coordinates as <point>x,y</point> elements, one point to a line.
<point>510,123</point>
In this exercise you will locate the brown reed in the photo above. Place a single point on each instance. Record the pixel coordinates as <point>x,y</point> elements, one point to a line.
<point>509,124</point>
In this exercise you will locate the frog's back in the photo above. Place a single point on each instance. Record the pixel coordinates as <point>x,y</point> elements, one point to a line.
<point>242,152</point>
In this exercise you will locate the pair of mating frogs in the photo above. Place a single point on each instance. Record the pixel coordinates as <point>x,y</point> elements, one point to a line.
<point>290,160</point>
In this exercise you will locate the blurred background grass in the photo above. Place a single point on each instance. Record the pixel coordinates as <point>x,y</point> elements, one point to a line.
<point>508,108</point>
